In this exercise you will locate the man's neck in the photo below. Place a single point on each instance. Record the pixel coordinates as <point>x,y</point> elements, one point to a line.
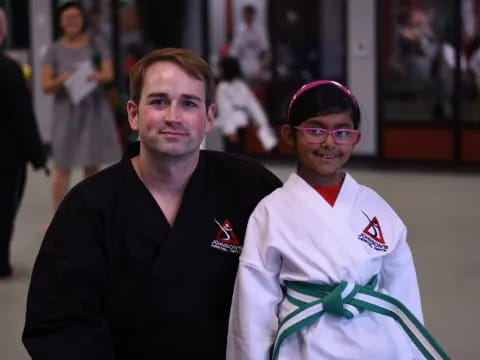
<point>165,174</point>
<point>166,178</point>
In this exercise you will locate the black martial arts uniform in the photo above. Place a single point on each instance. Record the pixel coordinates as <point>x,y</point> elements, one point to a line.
<point>113,280</point>
<point>20,143</point>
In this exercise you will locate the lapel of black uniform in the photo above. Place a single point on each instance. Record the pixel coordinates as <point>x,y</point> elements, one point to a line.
<point>148,223</point>
<point>182,232</point>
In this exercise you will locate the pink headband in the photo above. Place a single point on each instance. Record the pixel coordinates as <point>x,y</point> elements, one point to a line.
<point>316,83</point>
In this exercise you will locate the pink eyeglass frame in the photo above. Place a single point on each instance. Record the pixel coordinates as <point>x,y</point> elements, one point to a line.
<point>329,133</point>
<point>316,83</point>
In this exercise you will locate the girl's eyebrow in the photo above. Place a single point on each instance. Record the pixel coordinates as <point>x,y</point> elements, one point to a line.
<point>320,124</point>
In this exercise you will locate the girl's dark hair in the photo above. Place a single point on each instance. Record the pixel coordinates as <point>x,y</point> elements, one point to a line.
<point>230,68</point>
<point>72,4</point>
<point>322,97</point>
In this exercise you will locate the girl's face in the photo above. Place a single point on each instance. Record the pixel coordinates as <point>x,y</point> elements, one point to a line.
<point>71,21</point>
<point>319,162</point>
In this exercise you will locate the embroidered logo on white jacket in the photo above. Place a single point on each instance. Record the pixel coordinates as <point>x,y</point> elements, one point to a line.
<point>372,235</point>
<point>226,239</point>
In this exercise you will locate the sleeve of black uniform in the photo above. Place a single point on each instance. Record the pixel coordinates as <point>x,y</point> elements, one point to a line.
<point>270,181</point>
<point>64,318</point>
<point>22,119</point>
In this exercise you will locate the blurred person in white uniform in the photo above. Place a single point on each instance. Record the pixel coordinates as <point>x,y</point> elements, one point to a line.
<point>238,106</point>
<point>251,46</point>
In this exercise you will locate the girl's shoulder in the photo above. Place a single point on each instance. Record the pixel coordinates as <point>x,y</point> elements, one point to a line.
<point>370,198</point>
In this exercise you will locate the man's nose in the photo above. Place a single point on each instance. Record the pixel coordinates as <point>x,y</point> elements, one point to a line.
<point>172,113</point>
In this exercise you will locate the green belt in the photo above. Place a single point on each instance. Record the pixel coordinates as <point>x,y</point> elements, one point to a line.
<point>347,300</point>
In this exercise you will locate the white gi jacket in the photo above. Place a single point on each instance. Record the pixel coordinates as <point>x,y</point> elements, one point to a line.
<point>295,235</point>
<point>236,105</point>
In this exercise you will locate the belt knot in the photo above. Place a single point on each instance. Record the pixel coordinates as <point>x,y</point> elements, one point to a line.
<point>334,302</point>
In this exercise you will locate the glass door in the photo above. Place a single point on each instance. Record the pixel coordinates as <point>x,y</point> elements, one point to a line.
<point>428,82</point>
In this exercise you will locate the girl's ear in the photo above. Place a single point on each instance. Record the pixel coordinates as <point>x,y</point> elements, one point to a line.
<point>358,140</point>
<point>288,134</point>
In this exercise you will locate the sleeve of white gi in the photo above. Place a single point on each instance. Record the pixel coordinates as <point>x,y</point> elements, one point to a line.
<point>229,118</point>
<point>254,108</point>
<point>265,133</point>
<point>399,277</point>
<point>253,316</point>
<point>237,42</point>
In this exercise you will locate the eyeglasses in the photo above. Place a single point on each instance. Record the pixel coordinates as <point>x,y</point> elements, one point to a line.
<point>319,135</point>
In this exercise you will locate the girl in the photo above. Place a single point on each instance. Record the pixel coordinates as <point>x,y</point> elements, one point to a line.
<point>326,272</point>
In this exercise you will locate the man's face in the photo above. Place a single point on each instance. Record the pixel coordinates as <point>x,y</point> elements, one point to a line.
<point>171,117</point>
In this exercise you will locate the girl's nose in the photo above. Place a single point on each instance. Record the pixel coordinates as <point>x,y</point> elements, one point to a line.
<point>328,141</point>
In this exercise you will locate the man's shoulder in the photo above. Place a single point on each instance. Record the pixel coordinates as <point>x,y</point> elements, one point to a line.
<point>8,66</point>
<point>236,167</point>
<point>101,185</point>
<point>233,161</point>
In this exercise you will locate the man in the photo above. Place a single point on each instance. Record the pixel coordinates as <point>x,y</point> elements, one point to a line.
<point>139,260</point>
<point>20,144</point>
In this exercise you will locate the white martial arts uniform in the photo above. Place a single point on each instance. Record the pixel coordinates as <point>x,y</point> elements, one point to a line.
<point>237,105</point>
<point>295,235</point>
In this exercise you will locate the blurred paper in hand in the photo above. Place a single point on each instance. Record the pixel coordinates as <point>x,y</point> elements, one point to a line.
<point>78,86</point>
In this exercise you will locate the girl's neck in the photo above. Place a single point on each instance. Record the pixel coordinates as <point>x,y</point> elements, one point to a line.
<point>317,180</point>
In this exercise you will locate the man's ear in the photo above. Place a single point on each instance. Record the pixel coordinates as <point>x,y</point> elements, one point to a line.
<point>288,134</point>
<point>210,117</point>
<point>132,111</point>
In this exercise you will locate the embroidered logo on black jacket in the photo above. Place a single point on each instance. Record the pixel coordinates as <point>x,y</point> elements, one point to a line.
<point>226,239</point>
<point>372,235</point>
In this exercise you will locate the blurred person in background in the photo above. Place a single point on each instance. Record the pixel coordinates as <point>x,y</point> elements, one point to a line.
<point>83,134</point>
<point>416,43</point>
<point>251,46</point>
<point>20,144</point>
<point>237,107</point>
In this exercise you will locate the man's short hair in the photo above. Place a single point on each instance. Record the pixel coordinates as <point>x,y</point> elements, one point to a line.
<point>187,60</point>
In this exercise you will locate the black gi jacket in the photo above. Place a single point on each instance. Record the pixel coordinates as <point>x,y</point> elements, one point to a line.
<point>20,141</point>
<point>113,280</point>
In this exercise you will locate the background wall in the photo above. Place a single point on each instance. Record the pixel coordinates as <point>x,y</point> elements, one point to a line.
<point>361,68</point>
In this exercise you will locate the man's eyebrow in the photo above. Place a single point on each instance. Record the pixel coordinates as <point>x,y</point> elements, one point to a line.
<point>156,94</point>
<point>183,96</point>
<point>191,97</point>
